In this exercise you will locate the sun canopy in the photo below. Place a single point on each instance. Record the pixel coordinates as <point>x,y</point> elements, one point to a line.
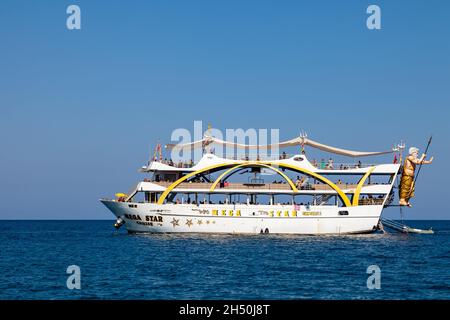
<point>289,143</point>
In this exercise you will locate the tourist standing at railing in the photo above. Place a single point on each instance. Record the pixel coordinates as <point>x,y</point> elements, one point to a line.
<point>322,164</point>
<point>305,183</point>
<point>300,182</point>
<point>330,164</point>
<point>314,163</point>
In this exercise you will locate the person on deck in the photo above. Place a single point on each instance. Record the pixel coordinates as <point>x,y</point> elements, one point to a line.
<point>407,181</point>
<point>322,164</point>
<point>330,164</point>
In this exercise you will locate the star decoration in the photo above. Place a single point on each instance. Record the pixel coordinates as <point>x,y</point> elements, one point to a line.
<point>199,222</point>
<point>175,222</point>
<point>189,222</point>
<point>207,221</point>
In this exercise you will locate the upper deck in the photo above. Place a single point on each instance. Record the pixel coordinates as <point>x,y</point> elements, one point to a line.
<point>211,176</point>
<point>298,160</point>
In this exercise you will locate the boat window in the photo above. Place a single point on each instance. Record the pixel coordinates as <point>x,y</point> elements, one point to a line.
<point>298,159</point>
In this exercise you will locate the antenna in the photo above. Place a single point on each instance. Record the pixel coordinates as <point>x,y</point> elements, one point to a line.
<point>157,153</point>
<point>399,148</point>
<point>303,136</point>
<point>208,131</point>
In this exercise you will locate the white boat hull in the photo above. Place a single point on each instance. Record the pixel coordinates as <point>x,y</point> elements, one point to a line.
<point>245,219</point>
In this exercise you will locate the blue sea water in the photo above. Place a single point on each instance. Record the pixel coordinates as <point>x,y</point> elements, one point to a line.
<point>34,256</point>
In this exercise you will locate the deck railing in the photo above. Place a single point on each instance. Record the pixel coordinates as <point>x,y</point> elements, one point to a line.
<point>371,201</point>
<point>249,186</point>
<point>322,165</point>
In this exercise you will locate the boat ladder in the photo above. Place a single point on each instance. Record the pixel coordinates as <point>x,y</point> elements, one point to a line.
<point>403,227</point>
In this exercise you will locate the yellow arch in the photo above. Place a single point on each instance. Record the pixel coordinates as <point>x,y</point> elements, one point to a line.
<point>192,174</point>
<point>341,194</point>
<point>339,191</point>
<point>355,200</point>
<point>293,187</point>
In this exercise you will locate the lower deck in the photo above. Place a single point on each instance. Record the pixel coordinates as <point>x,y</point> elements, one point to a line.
<point>246,219</point>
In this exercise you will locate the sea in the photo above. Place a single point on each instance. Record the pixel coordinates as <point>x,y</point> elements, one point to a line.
<point>57,260</point>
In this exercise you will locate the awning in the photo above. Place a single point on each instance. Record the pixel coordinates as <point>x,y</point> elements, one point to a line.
<point>289,143</point>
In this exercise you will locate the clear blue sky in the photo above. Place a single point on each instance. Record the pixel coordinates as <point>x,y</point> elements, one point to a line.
<point>79,109</point>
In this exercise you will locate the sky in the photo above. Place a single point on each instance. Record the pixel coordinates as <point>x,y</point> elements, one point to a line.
<point>80,110</point>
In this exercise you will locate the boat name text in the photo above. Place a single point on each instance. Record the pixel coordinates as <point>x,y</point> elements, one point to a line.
<point>147,218</point>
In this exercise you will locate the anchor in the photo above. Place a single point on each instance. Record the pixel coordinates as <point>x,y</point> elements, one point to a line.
<point>119,222</point>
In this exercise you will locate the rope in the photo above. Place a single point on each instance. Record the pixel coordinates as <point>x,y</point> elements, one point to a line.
<point>398,188</point>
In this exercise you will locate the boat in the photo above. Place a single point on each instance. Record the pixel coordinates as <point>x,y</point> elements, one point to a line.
<point>276,194</point>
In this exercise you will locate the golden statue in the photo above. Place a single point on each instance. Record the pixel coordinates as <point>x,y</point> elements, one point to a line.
<point>407,181</point>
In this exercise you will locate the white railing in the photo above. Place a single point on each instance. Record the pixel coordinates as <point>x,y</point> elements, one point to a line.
<point>321,165</point>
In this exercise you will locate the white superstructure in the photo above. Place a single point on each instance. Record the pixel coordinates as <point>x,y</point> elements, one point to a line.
<point>288,195</point>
